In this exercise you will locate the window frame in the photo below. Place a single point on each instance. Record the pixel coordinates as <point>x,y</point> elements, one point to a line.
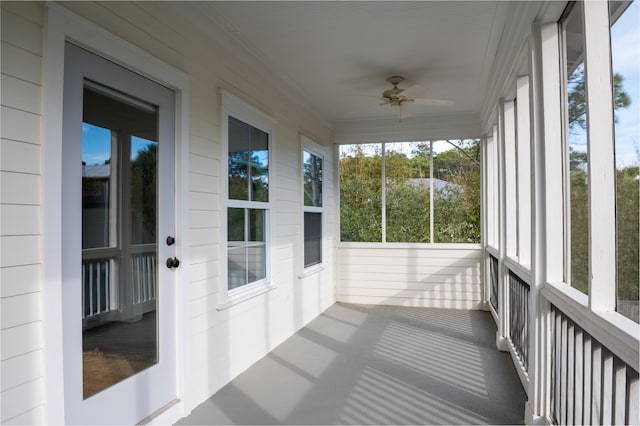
<point>384,242</point>
<point>233,106</point>
<point>308,145</point>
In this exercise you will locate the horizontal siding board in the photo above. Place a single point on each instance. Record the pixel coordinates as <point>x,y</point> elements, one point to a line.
<point>204,183</point>
<point>20,94</point>
<point>21,339</point>
<point>204,236</point>
<point>21,369</point>
<point>20,250</point>
<point>204,147</point>
<point>32,11</point>
<point>20,188</point>
<point>204,165</point>
<point>413,302</point>
<point>21,399</point>
<point>418,271</point>
<point>409,262</point>
<point>413,252</point>
<point>203,218</point>
<point>19,220</point>
<point>21,63</point>
<point>205,253</point>
<point>204,201</point>
<point>19,157</point>
<point>35,416</point>
<point>412,294</point>
<point>19,125</point>
<point>18,280</point>
<point>203,270</point>
<point>21,32</point>
<point>436,283</point>
<point>18,310</point>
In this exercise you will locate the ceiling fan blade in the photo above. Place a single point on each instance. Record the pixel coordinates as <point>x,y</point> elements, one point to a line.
<point>415,90</point>
<point>433,102</point>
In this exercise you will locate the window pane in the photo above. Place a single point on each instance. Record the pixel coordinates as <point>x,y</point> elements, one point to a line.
<point>259,165</point>
<point>456,187</point>
<point>256,262</point>
<point>407,192</point>
<point>235,224</point>
<point>239,147</point>
<point>625,38</point>
<point>312,165</point>
<point>361,192</point>
<point>256,225</point>
<point>578,214</point>
<point>237,265</point>
<point>312,238</point>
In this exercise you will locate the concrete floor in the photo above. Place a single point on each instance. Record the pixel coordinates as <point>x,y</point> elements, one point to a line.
<point>358,364</point>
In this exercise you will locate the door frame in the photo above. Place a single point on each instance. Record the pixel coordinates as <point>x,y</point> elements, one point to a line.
<point>62,26</point>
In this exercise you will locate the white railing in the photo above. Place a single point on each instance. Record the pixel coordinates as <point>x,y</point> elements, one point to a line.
<point>589,383</point>
<point>100,293</point>
<point>519,317</point>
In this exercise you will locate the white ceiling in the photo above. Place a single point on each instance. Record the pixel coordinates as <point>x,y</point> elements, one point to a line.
<point>334,56</point>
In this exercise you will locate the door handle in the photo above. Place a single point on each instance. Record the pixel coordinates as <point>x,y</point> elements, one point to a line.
<point>173,262</point>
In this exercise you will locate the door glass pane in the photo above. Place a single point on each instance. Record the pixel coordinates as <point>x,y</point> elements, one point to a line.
<point>625,37</point>
<point>119,222</point>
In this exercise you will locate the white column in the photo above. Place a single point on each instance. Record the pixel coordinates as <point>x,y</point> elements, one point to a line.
<point>503,294</point>
<point>602,184</point>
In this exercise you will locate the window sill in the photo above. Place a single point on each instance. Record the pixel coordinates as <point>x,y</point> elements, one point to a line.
<point>311,270</point>
<point>244,295</point>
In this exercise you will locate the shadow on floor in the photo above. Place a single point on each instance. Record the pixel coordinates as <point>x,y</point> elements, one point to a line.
<point>359,364</point>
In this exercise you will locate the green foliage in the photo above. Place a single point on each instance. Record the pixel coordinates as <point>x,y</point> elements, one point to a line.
<point>144,174</point>
<point>628,223</point>
<point>456,206</point>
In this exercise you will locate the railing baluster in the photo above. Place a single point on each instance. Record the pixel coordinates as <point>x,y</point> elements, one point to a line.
<point>619,391</point>
<point>578,374</point>
<point>596,384</point>
<point>633,396</point>
<point>607,387</point>
<point>588,367</point>
<point>570,372</point>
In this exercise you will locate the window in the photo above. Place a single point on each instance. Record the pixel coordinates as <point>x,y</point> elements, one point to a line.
<point>576,150</point>
<point>417,192</point>
<point>312,171</point>
<point>247,133</point>
<point>626,86</point>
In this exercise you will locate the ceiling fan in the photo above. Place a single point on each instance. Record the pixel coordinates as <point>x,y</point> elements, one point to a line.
<point>399,98</point>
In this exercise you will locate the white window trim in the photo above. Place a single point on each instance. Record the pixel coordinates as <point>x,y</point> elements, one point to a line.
<point>233,106</point>
<point>63,25</point>
<point>312,147</point>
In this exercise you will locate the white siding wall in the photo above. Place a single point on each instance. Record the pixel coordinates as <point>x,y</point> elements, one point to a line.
<point>410,276</point>
<point>221,343</point>
<point>20,214</point>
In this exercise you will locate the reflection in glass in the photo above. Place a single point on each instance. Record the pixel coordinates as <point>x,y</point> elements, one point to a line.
<point>246,246</point>
<point>577,149</point>
<point>312,238</point>
<point>248,162</point>
<point>312,177</point>
<point>625,37</point>
<point>119,227</point>
<point>97,203</point>
<point>408,215</point>
<point>361,192</point>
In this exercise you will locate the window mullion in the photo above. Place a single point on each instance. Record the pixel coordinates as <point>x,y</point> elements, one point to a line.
<point>384,193</point>
<point>431,186</point>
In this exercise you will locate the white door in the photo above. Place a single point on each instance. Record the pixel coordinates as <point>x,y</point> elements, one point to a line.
<point>118,279</point>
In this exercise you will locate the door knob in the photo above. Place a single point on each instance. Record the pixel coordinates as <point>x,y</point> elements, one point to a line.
<point>173,263</point>
<point>170,240</point>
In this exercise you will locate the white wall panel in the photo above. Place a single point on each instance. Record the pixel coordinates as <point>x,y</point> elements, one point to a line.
<point>20,340</point>
<point>19,125</point>
<point>435,277</point>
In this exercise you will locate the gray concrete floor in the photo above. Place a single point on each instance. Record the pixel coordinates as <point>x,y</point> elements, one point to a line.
<point>359,364</point>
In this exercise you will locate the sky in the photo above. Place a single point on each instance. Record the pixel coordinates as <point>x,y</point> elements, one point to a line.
<point>96,145</point>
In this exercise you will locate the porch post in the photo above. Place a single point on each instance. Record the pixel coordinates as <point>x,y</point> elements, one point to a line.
<point>502,334</point>
<point>546,161</point>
